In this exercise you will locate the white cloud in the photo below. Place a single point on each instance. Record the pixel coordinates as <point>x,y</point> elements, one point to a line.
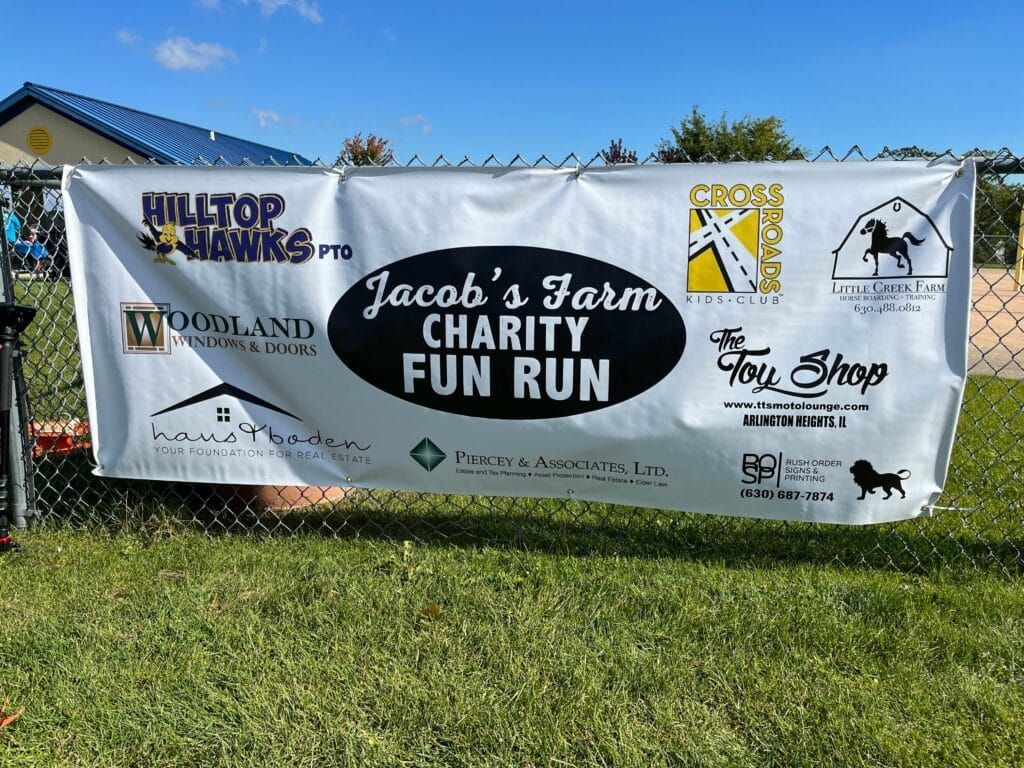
<point>128,36</point>
<point>390,36</point>
<point>307,9</point>
<point>266,117</point>
<point>180,53</point>
<point>263,46</point>
<point>421,120</point>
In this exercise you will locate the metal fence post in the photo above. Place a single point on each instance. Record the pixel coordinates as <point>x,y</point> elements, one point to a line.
<point>23,500</point>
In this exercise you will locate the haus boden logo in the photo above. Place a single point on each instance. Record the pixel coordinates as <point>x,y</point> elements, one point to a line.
<point>227,227</point>
<point>158,328</point>
<point>264,430</point>
<point>735,241</point>
<point>229,390</point>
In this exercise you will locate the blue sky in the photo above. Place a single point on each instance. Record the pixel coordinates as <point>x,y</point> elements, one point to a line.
<point>536,77</point>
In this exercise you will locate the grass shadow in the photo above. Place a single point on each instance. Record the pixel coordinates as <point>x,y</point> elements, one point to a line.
<point>554,526</point>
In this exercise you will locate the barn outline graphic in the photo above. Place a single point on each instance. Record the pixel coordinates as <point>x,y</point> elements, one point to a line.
<point>897,203</point>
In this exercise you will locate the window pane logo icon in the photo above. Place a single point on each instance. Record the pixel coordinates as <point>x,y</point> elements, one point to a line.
<point>144,329</point>
<point>427,454</point>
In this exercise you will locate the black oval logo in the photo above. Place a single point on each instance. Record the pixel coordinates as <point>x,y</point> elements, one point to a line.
<point>507,332</point>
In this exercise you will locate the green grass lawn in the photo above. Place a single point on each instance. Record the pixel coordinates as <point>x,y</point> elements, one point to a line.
<point>186,651</point>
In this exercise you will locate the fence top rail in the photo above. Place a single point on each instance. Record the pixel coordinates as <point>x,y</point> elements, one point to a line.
<point>1000,162</point>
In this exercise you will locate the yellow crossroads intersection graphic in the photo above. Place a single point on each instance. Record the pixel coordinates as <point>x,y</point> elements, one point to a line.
<point>722,253</point>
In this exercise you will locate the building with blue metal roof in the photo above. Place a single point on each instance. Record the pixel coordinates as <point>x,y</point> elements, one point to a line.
<point>55,126</point>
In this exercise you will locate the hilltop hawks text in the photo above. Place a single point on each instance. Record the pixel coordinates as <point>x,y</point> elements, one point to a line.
<point>231,227</point>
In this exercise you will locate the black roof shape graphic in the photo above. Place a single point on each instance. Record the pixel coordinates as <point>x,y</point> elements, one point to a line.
<point>231,391</point>
<point>886,204</point>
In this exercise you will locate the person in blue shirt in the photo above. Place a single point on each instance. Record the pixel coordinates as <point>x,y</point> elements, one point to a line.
<point>29,245</point>
<point>12,224</point>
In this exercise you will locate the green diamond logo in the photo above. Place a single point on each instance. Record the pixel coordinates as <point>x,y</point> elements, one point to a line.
<point>427,455</point>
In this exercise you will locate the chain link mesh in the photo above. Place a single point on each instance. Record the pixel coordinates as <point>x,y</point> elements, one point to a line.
<point>978,523</point>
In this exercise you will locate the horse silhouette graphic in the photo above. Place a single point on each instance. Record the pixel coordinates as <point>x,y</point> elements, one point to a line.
<point>920,252</point>
<point>897,247</point>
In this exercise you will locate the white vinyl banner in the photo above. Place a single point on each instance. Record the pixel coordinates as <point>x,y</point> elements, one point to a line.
<point>778,340</point>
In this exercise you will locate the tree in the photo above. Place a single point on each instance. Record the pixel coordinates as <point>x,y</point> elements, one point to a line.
<point>910,153</point>
<point>997,210</point>
<point>751,138</point>
<point>617,155</point>
<point>374,150</point>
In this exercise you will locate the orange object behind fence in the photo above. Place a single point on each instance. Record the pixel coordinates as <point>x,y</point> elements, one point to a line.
<point>57,437</point>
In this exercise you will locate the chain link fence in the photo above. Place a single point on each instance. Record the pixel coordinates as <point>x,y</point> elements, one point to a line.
<point>978,523</point>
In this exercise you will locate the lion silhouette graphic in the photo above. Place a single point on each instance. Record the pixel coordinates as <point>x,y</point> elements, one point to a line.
<point>868,479</point>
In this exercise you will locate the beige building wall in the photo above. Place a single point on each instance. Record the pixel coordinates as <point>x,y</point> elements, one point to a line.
<point>70,142</point>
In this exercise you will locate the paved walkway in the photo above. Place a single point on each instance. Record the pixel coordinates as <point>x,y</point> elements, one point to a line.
<point>997,325</point>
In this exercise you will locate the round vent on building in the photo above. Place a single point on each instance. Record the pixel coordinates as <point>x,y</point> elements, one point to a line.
<point>39,140</point>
